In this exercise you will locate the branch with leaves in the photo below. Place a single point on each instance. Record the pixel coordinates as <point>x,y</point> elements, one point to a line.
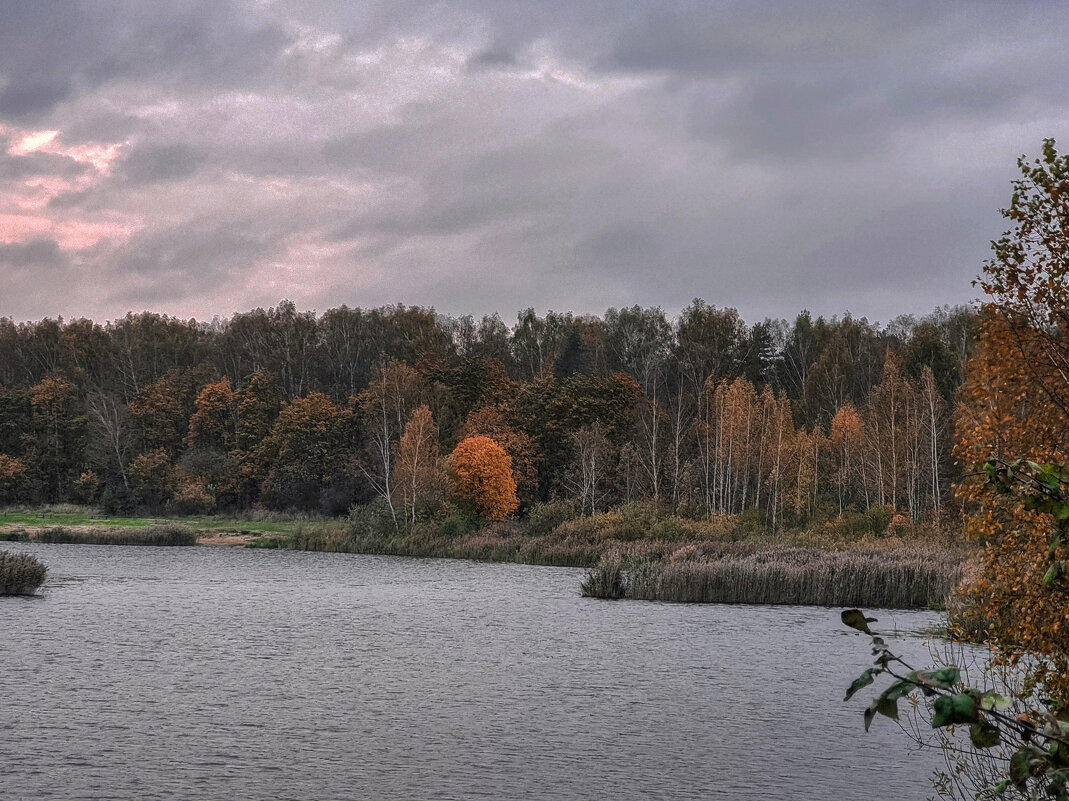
<point>1036,738</point>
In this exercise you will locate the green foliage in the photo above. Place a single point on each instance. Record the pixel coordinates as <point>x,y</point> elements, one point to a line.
<point>1032,732</point>
<point>542,518</point>
<point>459,523</point>
<point>371,519</point>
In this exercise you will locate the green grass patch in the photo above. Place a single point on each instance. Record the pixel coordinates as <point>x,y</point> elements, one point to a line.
<point>71,516</point>
<point>71,519</point>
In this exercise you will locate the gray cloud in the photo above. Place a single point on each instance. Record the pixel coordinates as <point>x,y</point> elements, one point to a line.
<point>48,51</point>
<point>157,164</point>
<point>40,253</point>
<point>485,155</point>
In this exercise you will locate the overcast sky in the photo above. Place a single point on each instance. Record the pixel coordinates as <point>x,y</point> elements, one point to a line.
<point>204,158</point>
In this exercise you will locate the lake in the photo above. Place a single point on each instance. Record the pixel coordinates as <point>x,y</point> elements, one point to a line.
<point>206,673</point>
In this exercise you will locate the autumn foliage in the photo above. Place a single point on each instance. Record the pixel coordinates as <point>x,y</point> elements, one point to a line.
<point>1015,404</point>
<point>481,477</point>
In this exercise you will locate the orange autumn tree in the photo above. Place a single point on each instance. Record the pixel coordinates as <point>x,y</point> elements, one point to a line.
<point>214,420</point>
<point>1015,404</point>
<point>11,473</point>
<point>490,421</point>
<point>481,476</point>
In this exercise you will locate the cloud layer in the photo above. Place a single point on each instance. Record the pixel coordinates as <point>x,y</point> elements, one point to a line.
<point>478,156</point>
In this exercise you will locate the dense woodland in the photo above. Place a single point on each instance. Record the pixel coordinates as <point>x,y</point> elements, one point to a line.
<point>703,415</point>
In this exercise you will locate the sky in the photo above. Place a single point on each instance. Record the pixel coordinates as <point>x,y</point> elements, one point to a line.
<point>204,158</point>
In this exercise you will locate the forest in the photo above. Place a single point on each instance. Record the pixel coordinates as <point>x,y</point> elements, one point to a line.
<point>783,423</point>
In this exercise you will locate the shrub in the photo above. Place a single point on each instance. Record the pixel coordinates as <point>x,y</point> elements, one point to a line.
<point>371,519</point>
<point>191,498</point>
<point>459,524</point>
<point>542,518</point>
<point>877,518</point>
<point>20,573</point>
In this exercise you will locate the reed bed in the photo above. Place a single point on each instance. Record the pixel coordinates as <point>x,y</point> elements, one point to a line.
<point>913,578</point>
<point>165,534</point>
<point>20,573</point>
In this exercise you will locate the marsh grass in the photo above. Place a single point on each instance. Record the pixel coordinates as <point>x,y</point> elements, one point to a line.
<point>161,534</point>
<point>20,573</point>
<point>907,578</point>
<point>634,553</point>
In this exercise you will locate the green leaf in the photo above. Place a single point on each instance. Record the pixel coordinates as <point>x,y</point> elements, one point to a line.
<point>1019,767</point>
<point>1054,572</point>
<point>864,680</point>
<point>951,709</point>
<point>998,787</point>
<point>870,713</point>
<point>883,706</point>
<point>855,619</point>
<point>888,707</point>
<point>992,700</point>
<point>944,678</point>
<point>1047,475</point>
<point>984,734</point>
<point>899,689</point>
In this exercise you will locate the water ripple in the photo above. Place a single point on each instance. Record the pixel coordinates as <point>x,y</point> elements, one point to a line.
<point>206,673</point>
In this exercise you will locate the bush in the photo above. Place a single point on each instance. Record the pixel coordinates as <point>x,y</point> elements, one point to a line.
<point>371,520</point>
<point>877,518</point>
<point>542,518</point>
<point>459,524</point>
<point>117,500</point>
<point>191,498</point>
<point>20,573</point>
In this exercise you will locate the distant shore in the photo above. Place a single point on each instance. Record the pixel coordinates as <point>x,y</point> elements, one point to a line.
<point>631,553</point>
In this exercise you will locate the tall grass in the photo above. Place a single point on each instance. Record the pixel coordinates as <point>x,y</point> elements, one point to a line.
<point>20,573</point>
<point>911,578</point>
<point>164,534</point>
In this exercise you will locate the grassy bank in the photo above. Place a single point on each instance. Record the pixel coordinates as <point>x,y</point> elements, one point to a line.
<point>635,551</point>
<point>20,574</point>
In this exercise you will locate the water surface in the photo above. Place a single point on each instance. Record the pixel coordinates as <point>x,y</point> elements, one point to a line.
<point>207,673</point>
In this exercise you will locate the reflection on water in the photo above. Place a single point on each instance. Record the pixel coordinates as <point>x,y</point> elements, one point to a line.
<point>189,673</point>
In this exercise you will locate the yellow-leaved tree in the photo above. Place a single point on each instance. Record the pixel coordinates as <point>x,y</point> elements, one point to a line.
<point>1009,737</point>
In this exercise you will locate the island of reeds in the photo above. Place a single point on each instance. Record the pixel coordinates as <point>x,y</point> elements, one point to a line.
<point>20,573</point>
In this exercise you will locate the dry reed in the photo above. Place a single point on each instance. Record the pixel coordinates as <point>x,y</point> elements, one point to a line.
<point>20,573</point>
<point>863,577</point>
<point>165,534</point>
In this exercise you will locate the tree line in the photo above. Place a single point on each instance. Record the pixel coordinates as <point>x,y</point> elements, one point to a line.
<point>703,414</point>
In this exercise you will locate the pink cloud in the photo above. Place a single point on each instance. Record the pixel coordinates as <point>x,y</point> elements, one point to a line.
<point>99,155</point>
<point>24,212</point>
<point>69,234</point>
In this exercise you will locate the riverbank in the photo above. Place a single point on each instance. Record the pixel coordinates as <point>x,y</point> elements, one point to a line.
<point>632,552</point>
